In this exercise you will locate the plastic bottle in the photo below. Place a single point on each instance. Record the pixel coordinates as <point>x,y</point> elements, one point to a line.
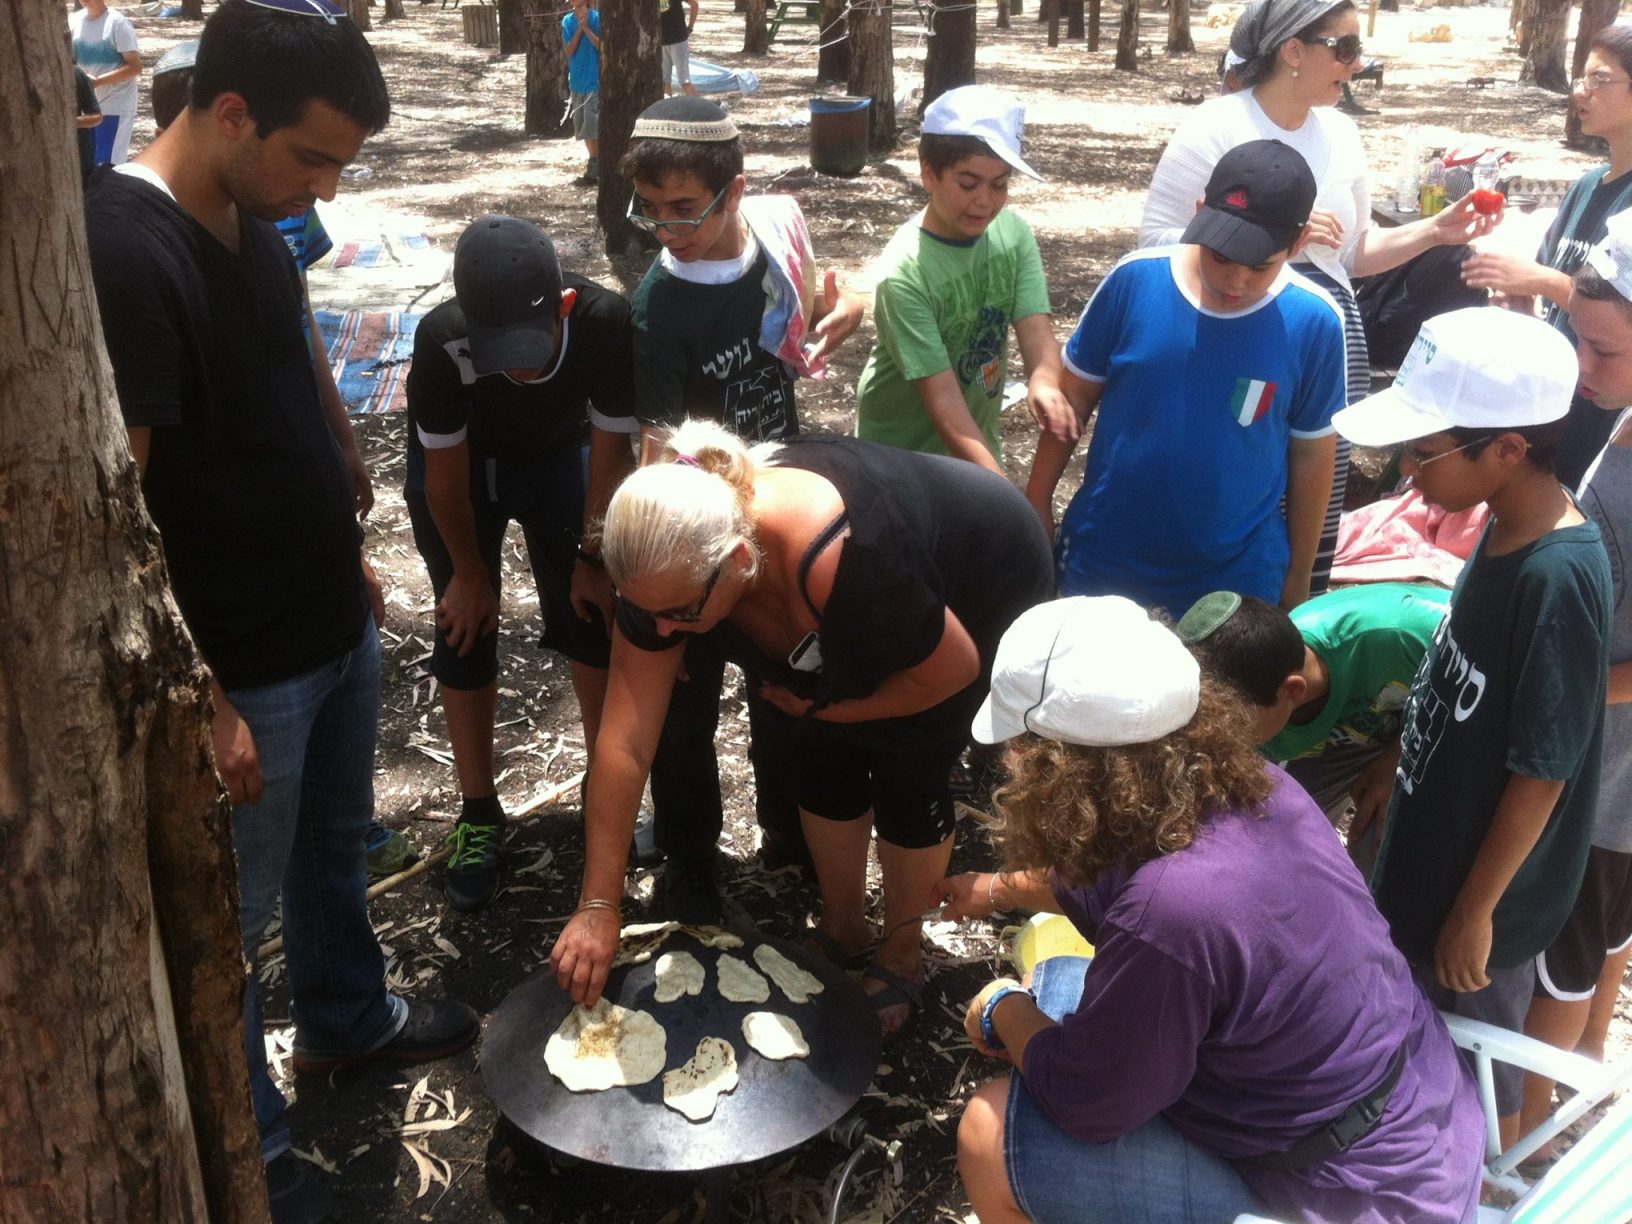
<point>1431,195</point>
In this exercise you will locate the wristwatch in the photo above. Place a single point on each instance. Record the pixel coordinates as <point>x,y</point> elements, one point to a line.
<point>987,1032</point>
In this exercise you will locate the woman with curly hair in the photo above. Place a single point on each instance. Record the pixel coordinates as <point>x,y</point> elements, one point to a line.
<point>1245,1038</point>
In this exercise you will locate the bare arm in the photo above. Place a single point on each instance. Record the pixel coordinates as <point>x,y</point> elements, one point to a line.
<point>1040,352</point>
<point>334,412</point>
<point>1462,951</point>
<point>1457,224</point>
<point>943,401</point>
<point>950,667</point>
<point>129,69</point>
<point>141,440</point>
<point>611,458</point>
<point>1053,454</point>
<point>1620,683</point>
<point>1309,466</point>
<point>979,894</point>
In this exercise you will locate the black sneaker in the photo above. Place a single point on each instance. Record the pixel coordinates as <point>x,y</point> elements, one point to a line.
<point>690,894</point>
<point>434,1029</point>
<point>473,872</point>
<point>296,1191</point>
<point>643,848</point>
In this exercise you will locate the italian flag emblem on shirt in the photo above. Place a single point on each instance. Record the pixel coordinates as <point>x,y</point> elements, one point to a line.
<point>1252,399</point>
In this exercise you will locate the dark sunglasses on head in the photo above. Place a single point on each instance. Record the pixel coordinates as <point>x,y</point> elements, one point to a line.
<point>1345,48</point>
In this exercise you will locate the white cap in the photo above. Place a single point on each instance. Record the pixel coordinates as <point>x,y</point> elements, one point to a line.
<point>984,112</point>
<point>1479,368</point>
<point>1089,670</point>
<point>1612,258</point>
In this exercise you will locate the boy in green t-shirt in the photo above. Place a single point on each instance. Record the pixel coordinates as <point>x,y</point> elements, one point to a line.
<point>954,279</point>
<point>1328,683</point>
<point>1486,838</point>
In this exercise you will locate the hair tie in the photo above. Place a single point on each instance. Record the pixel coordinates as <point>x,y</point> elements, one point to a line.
<point>687,461</point>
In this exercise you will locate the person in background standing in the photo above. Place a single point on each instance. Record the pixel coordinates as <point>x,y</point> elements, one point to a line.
<point>581,31</point>
<point>676,28</point>
<point>105,47</point>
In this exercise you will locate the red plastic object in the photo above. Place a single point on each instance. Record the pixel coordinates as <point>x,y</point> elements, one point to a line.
<point>1488,202</point>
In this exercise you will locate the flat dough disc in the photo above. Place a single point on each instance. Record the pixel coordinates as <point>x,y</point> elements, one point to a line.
<point>606,1046</point>
<point>713,936</point>
<point>794,981</point>
<point>773,1035</point>
<point>678,973</point>
<point>739,983</point>
<point>639,940</point>
<point>696,1087</point>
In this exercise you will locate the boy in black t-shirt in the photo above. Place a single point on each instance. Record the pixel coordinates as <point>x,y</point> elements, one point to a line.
<point>675,28</point>
<point>721,324</point>
<point>1487,833</point>
<point>510,381</point>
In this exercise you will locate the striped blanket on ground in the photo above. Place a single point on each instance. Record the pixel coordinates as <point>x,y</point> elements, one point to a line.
<point>369,351</point>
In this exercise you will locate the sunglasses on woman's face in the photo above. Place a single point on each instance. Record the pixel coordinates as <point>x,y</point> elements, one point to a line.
<point>1345,48</point>
<point>682,616</point>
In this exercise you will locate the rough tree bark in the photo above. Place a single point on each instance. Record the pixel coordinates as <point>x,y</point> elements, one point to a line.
<point>1547,30</point>
<point>631,80</point>
<point>1178,27</point>
<point>872,70</point>
<point>1595,15</point>
<point>756,35</point>
<point>1127,37</point>
<point>1002,14</point>
<point>1519,22</point>
<point>393,11</point>
<point>546,71</point>
<point>833,60</point>
<point>123,1091</point>
<point>1093,25</point>
<point>357,10</point>
<point>512,17</point>
<point>1074,18</point>
<point>1049,11</point>
<point>950,59</point>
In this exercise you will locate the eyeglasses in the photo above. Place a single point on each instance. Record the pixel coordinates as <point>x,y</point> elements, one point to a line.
<point>651,224</point>
<point>1422,460</point>
<point>1595,81</point>
<point>1345,48</point>
<point>682,616</point>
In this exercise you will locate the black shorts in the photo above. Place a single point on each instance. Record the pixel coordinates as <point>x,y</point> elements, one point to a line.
<point>545,495</point>
<point>1600,923</point>
<point>908,790</point>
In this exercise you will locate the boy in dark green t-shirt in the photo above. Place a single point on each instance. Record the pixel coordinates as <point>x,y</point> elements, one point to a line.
<point>1487,833</point>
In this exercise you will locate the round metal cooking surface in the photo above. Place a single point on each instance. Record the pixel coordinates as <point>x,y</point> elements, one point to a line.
<point>776,1106</point>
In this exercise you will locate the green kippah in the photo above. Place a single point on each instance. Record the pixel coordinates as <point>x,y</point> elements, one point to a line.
<point>1207,615</point>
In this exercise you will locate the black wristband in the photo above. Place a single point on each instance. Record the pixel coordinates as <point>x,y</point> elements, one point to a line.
<point>594,559</point>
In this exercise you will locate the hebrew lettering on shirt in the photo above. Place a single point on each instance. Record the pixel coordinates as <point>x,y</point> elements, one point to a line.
<point>756,406</point>
<point>1449,669</point>
<point>728,361</point>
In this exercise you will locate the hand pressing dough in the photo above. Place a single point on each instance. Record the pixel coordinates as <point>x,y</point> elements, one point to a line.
<point>774,1036</point>
<point>696,1087</point>
<point>739,983</point>
<point>606,1046</point>
<point>794,981</point>
<point>678,973</point>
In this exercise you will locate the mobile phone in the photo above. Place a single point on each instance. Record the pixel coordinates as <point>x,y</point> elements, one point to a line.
<point>807,656</point>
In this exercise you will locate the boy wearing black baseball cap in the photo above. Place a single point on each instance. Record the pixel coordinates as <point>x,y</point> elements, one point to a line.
<point>1216,370</point>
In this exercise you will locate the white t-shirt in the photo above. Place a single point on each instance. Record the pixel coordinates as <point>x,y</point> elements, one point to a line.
<point>1328,141</point>
<point>99,44</point>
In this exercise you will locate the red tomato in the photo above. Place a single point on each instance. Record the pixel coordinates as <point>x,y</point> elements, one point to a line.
<point>1488,202</point>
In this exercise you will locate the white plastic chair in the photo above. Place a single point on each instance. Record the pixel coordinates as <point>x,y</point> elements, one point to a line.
<point>1589,1184</point>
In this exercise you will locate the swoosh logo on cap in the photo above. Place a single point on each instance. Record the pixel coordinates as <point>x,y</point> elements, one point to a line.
<point>539,301</point>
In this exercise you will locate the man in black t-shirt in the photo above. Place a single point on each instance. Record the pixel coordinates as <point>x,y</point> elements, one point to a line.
<point>510,380</point>
<point>201,310</point>
<point>674,26</point>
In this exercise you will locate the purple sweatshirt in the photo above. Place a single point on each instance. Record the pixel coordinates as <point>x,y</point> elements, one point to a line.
<point>1246,989</point>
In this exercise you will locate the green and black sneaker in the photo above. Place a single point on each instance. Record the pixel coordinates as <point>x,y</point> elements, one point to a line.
<point>473,872</point>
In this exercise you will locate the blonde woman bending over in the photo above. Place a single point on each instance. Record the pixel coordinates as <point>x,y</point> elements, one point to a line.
<point>863,590</point>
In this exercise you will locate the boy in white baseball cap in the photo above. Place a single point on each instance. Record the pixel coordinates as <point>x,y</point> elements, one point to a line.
<point>951,283</point>
<point>1486,838</point>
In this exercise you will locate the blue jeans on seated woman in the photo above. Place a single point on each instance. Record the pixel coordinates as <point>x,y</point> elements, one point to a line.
<point>1152,1175</point>
<point>315,736</point>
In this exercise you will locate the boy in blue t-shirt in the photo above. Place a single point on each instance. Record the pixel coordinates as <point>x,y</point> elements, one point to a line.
<point>581,31</point>
<point>1216,370</point>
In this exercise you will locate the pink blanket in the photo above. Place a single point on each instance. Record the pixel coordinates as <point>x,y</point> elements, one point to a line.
<point>1404,539</point>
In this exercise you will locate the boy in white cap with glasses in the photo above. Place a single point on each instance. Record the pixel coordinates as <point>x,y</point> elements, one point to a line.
<point>953,281</point>
<point>1486,838</point>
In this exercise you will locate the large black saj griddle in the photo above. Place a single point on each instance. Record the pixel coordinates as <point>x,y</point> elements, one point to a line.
<point>775,1106</point>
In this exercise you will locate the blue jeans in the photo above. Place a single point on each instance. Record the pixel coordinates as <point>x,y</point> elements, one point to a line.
<point>1152,1175</point>
<point>315,736</point>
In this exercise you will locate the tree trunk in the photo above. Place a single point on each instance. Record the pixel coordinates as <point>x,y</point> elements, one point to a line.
<point>833,60</point>
<point>756,38</point>
<point>192,10</point>
<point>1127,37</point>
<point>1519,22</point>
<point>1093,25</point>
<point>1547,29</point>
<point>1178,27</point>
<point>1002,14</point>
<point>123,1090</point>
<point>872,70</point>
<point>950,59</point>
<point>357,10</point>
<point>393,11</point>
<point>1595,15</point>
<point>512,16</point>
<point>631,80</point>
<point>1049,10</point>
<point>1073,18</point>
<point>546,71</point>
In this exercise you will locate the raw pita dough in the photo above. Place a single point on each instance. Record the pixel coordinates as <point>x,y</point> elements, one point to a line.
<point>638,941</point>
<point>696,1087</point>
<point>605,1046</point>
<point>712,936</point>
<point>739,983</point>
<point>678,973</point>
<point>774,1036</point>
<point>794,981</point>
